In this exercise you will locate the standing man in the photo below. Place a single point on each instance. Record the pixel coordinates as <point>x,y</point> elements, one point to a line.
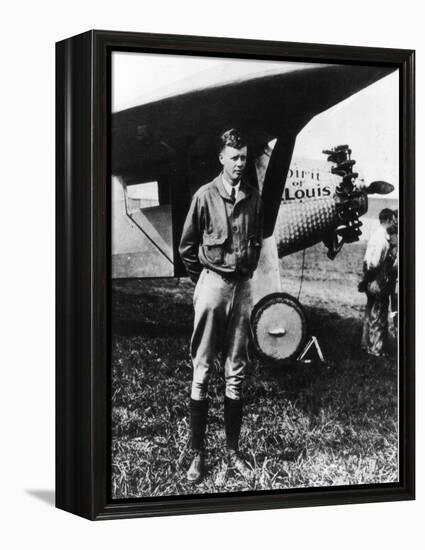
<point>378,282</point>
<point>220,247</point>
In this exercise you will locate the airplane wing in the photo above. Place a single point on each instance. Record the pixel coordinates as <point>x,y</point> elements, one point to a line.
<point>263,106</point>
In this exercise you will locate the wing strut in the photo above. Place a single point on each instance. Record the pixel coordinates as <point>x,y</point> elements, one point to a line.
<point>275,179</point>
<point>133,219</point>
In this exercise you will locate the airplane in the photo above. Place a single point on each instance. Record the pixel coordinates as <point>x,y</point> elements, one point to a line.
<point>163,150</point>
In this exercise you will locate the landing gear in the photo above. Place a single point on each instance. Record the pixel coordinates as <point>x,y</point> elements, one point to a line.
<point>279,331</point>
<point>279,328</point>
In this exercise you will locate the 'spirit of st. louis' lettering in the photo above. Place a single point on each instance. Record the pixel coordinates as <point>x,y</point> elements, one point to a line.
<point>300,173</point>
<point>298,193</point>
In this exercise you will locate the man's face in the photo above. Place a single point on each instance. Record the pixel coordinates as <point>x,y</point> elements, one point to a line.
<point>234,162</point>
<point>389,224</point>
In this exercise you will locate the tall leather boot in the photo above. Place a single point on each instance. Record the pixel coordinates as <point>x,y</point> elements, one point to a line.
<point>198,424</point>
<point>232,423</point>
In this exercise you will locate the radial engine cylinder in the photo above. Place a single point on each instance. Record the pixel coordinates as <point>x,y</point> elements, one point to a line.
<point>305,223</point>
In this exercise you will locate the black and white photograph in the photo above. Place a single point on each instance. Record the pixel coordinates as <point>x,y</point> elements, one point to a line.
<point>210,310</point>
<point>253,275</point>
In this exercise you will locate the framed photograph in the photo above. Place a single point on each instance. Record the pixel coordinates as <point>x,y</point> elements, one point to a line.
<point>235,274</point>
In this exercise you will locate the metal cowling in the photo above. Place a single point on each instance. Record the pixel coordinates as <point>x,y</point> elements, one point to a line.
<point>304,224</point>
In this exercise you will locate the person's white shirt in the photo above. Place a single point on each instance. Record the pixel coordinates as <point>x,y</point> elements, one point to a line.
<point>377,248</point>
<point>229,187</point>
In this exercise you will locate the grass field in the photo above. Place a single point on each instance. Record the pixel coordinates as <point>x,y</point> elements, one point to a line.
<point>304,426</point>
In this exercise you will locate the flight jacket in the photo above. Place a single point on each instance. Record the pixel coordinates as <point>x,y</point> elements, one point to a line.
<point>220,235</point>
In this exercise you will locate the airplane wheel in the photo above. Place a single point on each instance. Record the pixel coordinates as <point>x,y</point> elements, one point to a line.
<point>279,327</point>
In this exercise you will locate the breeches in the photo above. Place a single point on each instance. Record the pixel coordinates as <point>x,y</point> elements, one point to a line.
<point>221,332</point>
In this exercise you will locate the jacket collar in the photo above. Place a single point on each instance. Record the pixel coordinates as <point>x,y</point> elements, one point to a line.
<point>243,193</point>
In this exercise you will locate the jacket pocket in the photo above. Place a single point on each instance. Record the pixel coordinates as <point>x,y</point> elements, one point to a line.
<point>213,246</point>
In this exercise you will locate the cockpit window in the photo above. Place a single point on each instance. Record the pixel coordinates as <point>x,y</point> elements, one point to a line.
<point>143,195</point>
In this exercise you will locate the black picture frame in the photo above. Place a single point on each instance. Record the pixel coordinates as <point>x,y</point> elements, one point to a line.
<point>82,267</point>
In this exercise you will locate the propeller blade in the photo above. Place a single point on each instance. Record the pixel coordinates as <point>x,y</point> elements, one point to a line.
<point>379,188</point>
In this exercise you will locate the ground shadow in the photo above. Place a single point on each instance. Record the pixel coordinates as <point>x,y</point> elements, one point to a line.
<point>45,495</point>
<point>131,327</point>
